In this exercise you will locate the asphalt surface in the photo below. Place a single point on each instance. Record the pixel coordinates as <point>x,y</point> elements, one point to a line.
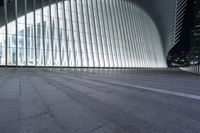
<point>98,101</point>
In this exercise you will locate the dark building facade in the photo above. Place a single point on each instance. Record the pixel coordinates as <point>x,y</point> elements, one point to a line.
<point>194,51</point>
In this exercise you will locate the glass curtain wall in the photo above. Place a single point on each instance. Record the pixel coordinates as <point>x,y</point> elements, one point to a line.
<point>78,33</point>
<point>3,40</point>
<point>62,33</point>
<point>12,36</point>
<point>21,29</point>
<point>40,56</point>
<point>30,32</point>
<point>48,34</point>
<point>2,46</point>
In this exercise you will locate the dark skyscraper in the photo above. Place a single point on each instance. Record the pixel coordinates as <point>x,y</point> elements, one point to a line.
<point>194,50</point>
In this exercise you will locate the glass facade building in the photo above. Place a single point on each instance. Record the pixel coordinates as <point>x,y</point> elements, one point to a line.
<point>81,33</point>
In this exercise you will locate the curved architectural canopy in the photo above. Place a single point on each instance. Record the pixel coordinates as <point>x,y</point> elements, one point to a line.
<point>88,33</point>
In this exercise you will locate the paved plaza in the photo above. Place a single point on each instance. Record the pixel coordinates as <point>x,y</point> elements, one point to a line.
<point>98,101</point>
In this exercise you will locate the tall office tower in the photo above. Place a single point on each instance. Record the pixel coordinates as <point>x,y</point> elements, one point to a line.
<point>194,51</point>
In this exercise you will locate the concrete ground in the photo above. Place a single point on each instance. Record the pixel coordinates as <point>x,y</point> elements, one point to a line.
<point>98,101</point>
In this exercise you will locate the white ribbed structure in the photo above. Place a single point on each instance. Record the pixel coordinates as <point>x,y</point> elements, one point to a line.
<point>168,16</point>
<point>89,33</point>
